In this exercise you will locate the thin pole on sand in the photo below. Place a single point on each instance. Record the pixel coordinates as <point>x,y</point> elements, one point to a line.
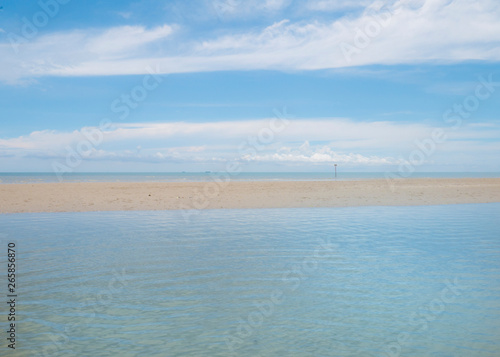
<point>335,170</point>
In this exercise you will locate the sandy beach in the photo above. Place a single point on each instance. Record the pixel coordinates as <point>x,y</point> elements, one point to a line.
<point>107,196</point>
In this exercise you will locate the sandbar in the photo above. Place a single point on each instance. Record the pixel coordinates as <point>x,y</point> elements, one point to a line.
<point>126,196</point>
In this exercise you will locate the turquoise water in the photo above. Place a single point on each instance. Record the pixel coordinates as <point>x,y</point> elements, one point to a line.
<point>211,176</point>
<point>364,281</point>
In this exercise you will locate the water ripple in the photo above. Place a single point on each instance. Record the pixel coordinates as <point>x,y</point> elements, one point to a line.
<point>283,282</point>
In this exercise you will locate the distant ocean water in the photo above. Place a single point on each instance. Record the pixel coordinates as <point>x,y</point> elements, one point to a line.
<point>209,176</point>
<point>340,282</point>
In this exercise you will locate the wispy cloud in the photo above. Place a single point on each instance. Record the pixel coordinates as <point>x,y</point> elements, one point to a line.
<point>418,31</point>
<point>231,9</point>
<point>125,40</point>
<point>335,5</point>
<point>63,51</point>
<point>125,15</point>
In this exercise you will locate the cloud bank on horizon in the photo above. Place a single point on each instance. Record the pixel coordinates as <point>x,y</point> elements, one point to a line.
<point>301,39</point>
<point>338,140</point>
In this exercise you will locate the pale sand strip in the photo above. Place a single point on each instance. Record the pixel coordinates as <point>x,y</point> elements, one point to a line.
<point>77,197</point>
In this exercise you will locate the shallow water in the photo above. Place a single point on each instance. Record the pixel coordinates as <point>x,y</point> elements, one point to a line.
<point>30,178</point>
<point>364,281</point>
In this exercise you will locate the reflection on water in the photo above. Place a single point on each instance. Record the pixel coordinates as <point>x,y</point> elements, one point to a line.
<point>365,281</point>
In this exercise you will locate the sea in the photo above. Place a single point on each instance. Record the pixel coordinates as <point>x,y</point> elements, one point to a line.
<point>354,282</point>
<point>47,177</point>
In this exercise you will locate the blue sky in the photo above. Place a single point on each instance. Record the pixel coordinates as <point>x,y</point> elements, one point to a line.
<point>192,85</point>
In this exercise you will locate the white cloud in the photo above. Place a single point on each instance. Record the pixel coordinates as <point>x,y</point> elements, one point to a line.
<point>320,155</point>
<point>228,9</point>
<point>335,5</point>
<point>275,5</point>
<point>302,142</point>
<point>346,133</point>
<point>417,31</point>
<point>45,140</point>
<point>125,39</point>
<point>62,51</point>
<point>125,15</point>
